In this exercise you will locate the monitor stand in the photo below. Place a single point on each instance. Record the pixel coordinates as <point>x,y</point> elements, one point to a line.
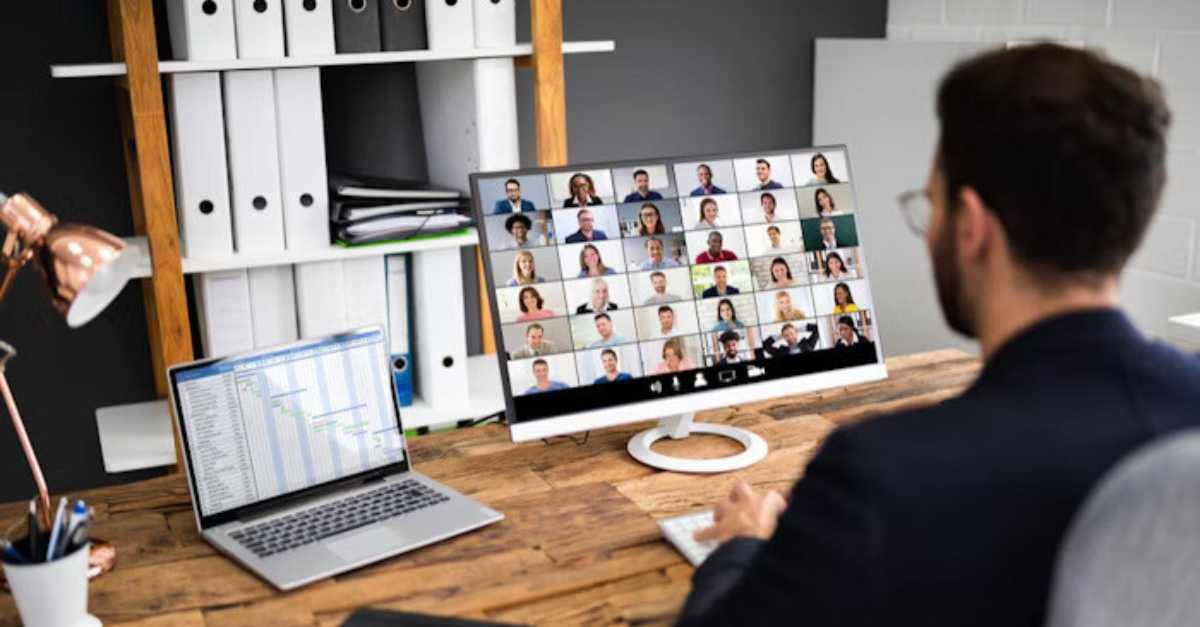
<point>679,427</point>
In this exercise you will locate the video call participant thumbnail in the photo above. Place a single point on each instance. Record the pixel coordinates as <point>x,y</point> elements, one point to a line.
<point>535,344</point>
<point>762,170</point>
<point>533,306</point>
<point>600,300</point>
<point>512,201</point>
<point>524,270</point>
<point>790,343</point>
<point>591,264</point>
<point>716,252</point>
<point>674,358</point>
<point>822,174</point>
<point>848,335</point>
<point>542,380</point>
<point>656,256</point>
<point>641,188</point>
<point>650,220</point>
<point>658,282</point>
<point>583,191</point>
<point>720,286</point>
<point>518,226</point>
<point>606,331</point>
<point>729,348</point>
<point>587,231</point>
<point>608,360</point>
<point>704,175</point>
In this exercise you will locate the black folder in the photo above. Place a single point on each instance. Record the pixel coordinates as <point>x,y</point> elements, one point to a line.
<point>356,25</point>
<point>403,24</point>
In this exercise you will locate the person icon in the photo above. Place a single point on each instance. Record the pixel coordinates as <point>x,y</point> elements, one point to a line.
<point>512,201</point>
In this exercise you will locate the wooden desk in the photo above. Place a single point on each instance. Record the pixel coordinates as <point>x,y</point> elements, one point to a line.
<point>579,543</point>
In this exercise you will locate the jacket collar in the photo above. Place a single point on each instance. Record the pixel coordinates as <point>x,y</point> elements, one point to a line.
<point>1068,331</point>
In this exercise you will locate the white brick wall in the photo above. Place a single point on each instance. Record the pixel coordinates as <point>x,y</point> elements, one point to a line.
<point>1156,37</point>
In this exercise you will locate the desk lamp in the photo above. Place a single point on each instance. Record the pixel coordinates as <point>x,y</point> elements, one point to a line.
<point>84,270</point>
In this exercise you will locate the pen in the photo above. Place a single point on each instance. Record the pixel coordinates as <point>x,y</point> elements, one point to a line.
<point>77,534</point>
<point>11,554</point>
<point>57,530</point>
<point>35,540</point>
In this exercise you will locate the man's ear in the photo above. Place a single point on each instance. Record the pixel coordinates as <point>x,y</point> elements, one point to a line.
<point>973,225</point>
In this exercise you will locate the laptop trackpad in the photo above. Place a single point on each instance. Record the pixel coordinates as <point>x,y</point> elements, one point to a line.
<point>367,543</point>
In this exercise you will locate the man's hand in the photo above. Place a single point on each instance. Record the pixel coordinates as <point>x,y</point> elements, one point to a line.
<point>745,513</point>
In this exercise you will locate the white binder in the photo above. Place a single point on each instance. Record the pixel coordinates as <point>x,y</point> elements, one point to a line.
<point>450,24</point>
<point>201,31</point>
<point>259,27</point>
<point>308,27</point>
<point>201,178</point>
<point>303,183</point>
<point>320,298</point>
<point>253,161</point>
<point>495,23</point>
<point>366,303</point>
<point>439,320</point>
<point>226,321</point>
<point>273,305</point>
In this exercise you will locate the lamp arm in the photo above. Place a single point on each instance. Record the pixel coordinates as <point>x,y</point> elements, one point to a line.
<point>30,456</point>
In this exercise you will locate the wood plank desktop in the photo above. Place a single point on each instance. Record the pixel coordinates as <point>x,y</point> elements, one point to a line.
<point>579,543</point>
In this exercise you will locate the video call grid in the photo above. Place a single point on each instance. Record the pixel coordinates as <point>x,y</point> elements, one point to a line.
<point>733,216</point>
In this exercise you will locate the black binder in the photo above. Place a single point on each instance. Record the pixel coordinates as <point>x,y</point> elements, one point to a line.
<point>403,24</point>
<point>356,25</point>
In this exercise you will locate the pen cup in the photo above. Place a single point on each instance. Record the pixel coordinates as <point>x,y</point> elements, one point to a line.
<point>52,594</point>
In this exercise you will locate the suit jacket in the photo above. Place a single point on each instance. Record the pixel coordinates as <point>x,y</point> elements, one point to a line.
<point>577,237</point>
<point>952,515</point>
<point>711,292</point>
<point>503,206</point>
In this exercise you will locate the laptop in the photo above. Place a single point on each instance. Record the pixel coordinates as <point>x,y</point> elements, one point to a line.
<point>297,463</point>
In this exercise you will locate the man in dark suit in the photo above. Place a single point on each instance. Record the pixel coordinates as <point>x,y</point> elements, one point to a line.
<point>512,201</point>
<point>952,514</point>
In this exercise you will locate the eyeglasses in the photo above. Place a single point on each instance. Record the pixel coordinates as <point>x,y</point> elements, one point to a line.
<point>917,209</point>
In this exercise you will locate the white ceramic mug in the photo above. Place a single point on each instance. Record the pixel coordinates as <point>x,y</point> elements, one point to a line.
<point>52,594</point>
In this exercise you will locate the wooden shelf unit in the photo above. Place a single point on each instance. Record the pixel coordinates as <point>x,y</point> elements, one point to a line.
<point>138,72</point>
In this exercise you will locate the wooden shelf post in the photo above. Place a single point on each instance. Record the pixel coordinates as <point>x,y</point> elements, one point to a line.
<point>549,88</point>
<point>151,190</point>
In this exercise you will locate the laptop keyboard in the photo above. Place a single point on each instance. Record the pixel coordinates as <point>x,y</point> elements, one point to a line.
<point>328,519</point>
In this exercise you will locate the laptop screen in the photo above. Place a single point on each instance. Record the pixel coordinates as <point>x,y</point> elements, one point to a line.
<point>277,422</point>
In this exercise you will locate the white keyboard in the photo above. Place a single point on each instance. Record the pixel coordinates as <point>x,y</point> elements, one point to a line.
<point>679,529</point>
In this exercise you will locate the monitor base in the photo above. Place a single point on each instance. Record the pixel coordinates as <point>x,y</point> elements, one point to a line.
<point>679,427</point>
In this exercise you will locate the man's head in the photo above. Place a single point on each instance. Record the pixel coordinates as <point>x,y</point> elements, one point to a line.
<point>641,181</point>
<point>541,371</point>
<point>773,235</point>
<point>654,248</point>
<point>789,333</point>
<point>666,318</point>
<point>604,325</point>
<point>512,190</point>
<point>828,230</point>
<point>762,169</point>
<point>720,276</point>
<point>704,174</point>
<point>608,357</point>
<point>658,281</point>
<point>586,221</point>
<point>715,241</point>
<point>729,342</point>
<point>1090,138</point>
<point>767,201</point>
<point>533,335</point>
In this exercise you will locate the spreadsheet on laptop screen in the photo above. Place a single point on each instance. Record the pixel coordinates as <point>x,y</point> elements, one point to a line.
<point>270,424</point>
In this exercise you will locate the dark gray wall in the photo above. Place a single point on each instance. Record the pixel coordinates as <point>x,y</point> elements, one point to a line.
<point>688,76</point>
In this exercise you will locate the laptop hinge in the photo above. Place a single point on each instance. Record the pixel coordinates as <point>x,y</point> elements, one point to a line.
<point>251,512</point>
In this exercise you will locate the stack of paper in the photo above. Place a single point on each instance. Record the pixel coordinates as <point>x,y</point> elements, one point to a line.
<point>369,210</point>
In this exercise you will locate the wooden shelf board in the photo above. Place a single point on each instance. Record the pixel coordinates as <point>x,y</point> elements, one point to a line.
<point>234,261</point>
<point>93,70</point>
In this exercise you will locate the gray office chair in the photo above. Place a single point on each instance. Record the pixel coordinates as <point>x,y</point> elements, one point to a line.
<point>1132,554</point>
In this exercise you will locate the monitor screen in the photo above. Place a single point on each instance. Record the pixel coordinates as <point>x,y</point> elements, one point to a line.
<point>284,420</point>
<point>624,283</point>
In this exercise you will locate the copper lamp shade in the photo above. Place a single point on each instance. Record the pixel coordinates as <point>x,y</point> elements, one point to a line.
<point>82,266</point>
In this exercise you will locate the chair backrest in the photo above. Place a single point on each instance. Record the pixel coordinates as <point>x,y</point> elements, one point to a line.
<point>1132,554</point>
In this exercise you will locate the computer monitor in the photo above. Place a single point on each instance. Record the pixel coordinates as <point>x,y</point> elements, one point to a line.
<point>659,287</point>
